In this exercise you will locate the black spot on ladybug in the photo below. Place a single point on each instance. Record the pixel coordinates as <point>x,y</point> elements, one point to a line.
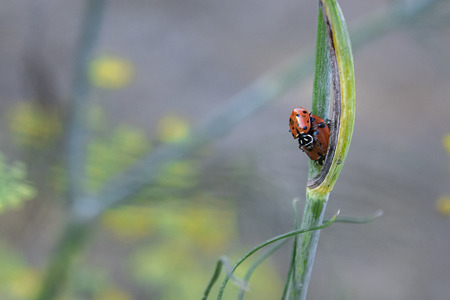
<point>307,121</point>
<point>305,112</point>
<point>298,115</point>
<point>304,127</point>
<point>322,125</point>
<point>315,133</point>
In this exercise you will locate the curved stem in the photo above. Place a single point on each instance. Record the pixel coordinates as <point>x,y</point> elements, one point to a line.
<point>268,242</point>
<point>322,82</point>
<point>344,99</point>
<point>256,264</point>
<point>222,261</point>
<point>333,31</point>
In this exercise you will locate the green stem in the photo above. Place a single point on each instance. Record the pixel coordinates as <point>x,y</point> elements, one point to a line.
<point>322,81</point>
<point>73,241</point>
<point>331,35</point>
<point>290,277</point>
<point>256,264</point>
<point>215,276</point>
<point>307,245</point>
<point>314,207</point>
<point>77,130</point>
<point>268,242</point>
<point>75,236</point>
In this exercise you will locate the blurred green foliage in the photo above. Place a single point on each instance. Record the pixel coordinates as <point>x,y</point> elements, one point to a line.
<point>443,202</point>
<point>14,188</point>
<point>17,280</point>
<point>112,153</point>
<point>186,239</point>
<point>89,282</point>
<point>174,231</point>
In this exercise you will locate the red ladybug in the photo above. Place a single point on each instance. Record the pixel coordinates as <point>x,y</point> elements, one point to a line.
<point>314,141</point>
<point>299,122</point>
<point>321,134</point>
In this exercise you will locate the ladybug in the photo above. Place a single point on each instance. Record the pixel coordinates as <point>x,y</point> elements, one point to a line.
<point>320,133</point>
<point>300,125</point>
<point>314,141</point>
<point>299,122</point>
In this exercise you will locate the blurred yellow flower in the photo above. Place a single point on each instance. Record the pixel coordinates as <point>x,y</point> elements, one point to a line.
<point>113,294</point>
<point>207,229</point>
<point>446,142</point>
<point>172,128</point>
<point>32,125</point>
<point>210,229</point>
<point>24,284</point>
<point>183,251</point>
<point>180,174</point>
<point>130,223</point>
<point>111,72</point>
<point>443,206</point>
<point>443,203</point>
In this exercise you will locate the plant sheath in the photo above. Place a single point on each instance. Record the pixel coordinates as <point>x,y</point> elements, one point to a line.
<point>338,61</point>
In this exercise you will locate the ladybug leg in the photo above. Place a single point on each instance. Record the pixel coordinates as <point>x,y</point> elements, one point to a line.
<point>302,147</point>
<point>324,124</point>
<point>321,159</point>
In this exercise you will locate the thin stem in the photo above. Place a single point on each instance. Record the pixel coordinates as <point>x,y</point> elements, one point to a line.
<point>268,242</point>
<point>76,233</point>
<point>256,264</point>
<point>290,277</point>
<point>77,131</point>
<point>73,241</point>
<point>215,276</point>
<point>357,220</point>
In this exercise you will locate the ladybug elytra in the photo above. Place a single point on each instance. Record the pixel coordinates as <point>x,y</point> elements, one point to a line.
<point>312,133</point>
<point>299,122</point>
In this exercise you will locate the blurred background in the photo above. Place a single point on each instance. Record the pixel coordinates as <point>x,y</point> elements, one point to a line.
<point>162,68</point>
